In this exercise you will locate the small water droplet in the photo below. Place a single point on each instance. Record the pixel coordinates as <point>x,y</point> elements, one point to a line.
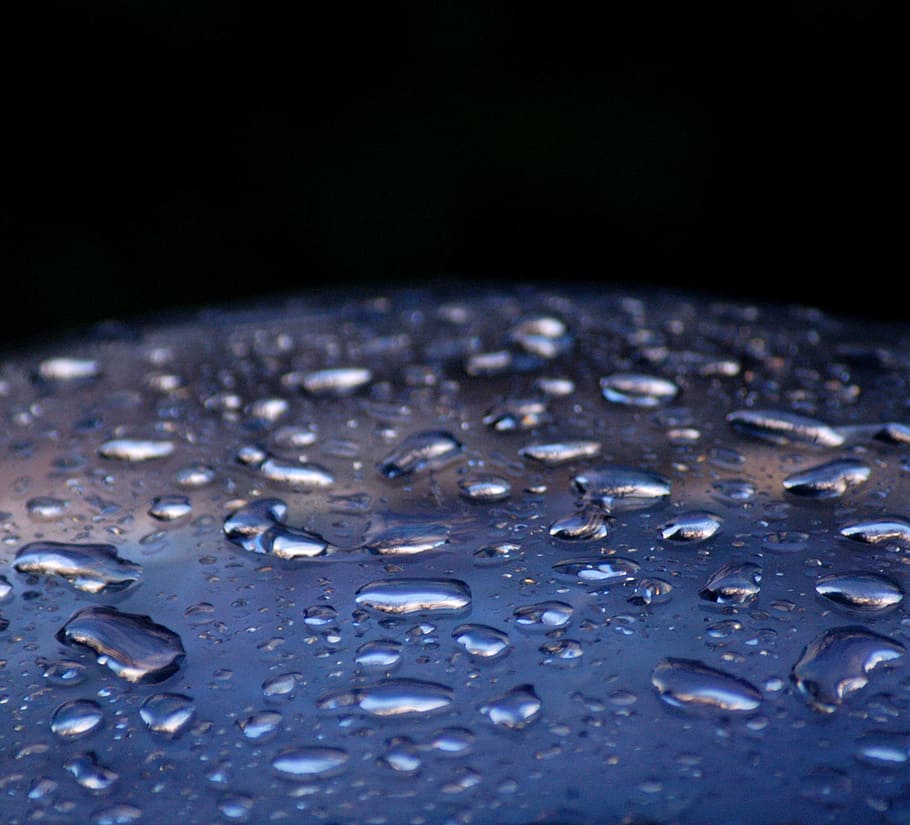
<point>260,727</point>
<point>64,673</point>
<point>485,488</point>
<point>482,641</point>
<point>648,591</point>
<point>492,555</point>
<point>392,698</point>
<point>587,524</point>
<point>170,508</point>
<point>561,452</point>
<point>637,390</point>
<point>46,508</point>
<point>135,449</point>
<point>612,569</point>
<point>336,381</point>
<point>517,414</point>
<point>735,584</point>
<point>68,368</point>
<point>195,475</point>
<point>407,539</point>
<point>427,450</point>
<point>884,748</point>
<point>547,615</point>
<point>382,654</point>
<point>694,526</point>
<point>168,713</point>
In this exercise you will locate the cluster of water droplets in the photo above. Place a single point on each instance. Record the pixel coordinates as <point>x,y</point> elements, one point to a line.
<point>517,557</point>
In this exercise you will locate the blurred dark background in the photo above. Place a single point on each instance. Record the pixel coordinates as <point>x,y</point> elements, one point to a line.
<point>165,154</point>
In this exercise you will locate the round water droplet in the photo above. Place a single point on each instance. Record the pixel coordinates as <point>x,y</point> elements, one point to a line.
<point>383,654</point>
<point>517,414</point>
<point>492,555</point>
<point>515,709</point>
<point>613,485</point>
<point>168,713</point>
<point>78,718</point>
<point>298,476</point>
<point>482,641</point>
<point>196,475</point>
<point>262,726</point>
<point>407,539</point>
<point>548,615</point>
<point>420,452</point>
<point>694,526</point>
<point>170,508</point>
<point>733,584</point>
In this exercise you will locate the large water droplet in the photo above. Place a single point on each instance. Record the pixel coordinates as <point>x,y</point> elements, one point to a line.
<point>136,449</point>
<point>614,485</point>
<point>828,480</point>
<point>407,539</point>
<point>46,508</point>
<point>93,568</point>
<point>515,709</point>
<point>878,530</point>
<point>392,698</point>
<point>838,662</point>
<point>860,591</point>
<point>561,452</point>
<point>131,645</point>
<point>309,762</point>
<point>690,684</point>
<point>77,718</point>
<point>258,527</point>
<point>782,427</point>
<point>421,451</point>
<point>420,595</point>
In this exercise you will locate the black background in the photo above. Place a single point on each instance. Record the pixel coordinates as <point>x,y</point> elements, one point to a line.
<point>165,155</point>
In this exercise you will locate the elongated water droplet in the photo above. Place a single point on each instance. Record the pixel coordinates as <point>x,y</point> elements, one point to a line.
<point>135,449</point>
<point>492,555</point>
<point>77,718</point>
<point>392,698</point>
<point>46,508</point>
<point>600,570</point>
<point>488,363</point>
<point>884,748</point>
<point>562,651</point>
<point>838,662</point>
<point>261,726</point>
<point>690,684</point>
<point>588,524</point>
<point>196,475</point>
<point>735,584</point>
<point>485,488</point>
<point>517,414</point>
<point>68,368</point>
<point>298,476</point>
<point>878,530</point>
<point>258,528</point>
<point>515,709</point>
<point>131,645</point>
<point>408,539</point>
<point>637,389</point>
<point>781,427</point>
<point>421,451</point>
<point>649,590</point>
<point>93,568</point>
<point>697,525</point>
<point>482,641</point>
<point>828,480</point>
<point>561,452</point>
<point>168,713</point>
<point>548,615</point>
<point>406,596</point>
<point>860,591</point>
<point>336,381</point>
<point>543,336</point>
<point>309,762</point>
<point>382,654</point>
<point>614,484</point>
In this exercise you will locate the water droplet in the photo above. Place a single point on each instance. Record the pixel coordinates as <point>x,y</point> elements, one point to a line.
<point>548,615</point>
<point>781,427</point>
<point>828,480</point>
<point>543,336</point>
<point>694,526</point>
<point>261,726</point>
<point>612,569</point>
<point>235,807</point>
<point>89,773</point>
<point>117,815</point>
<point>736,584</point>
<point>170,508</point>
<point>517,414</point>
<point>735,490</point>
<point>637,390</point>
<point>168,713</point>
<point>402,756</point>
<point>562,650</point>
<point>282,685</point>
<point>515,709</point>
<point>648,591</point>
<point>421,451</point>
<point>485,488</point>
<point>46,508</point>
<point>453,741</point>
<point>878,530</point>
<point>309,762</point>
<point>860,591</point>
<point>258,528</point>
<point>884,748</point>
<point>68,368</point>
<point>406,596</point>
<point>613,485</point>
<point>64,673</point>
<point>488,363</point>
<point>407,539</point>
<point>132,646</point>
<point>482,641</point>
<point>588,524</point>
<point>838,662</point>
<point>92,568</point>
<point>298,476</point>
<point>492,555</point>
<point>561,452</point>
<point>195,475</point>
<point>268,410</point>
<point>382,654</point>
<point>336,381</point>
<point>392,698</point>
<point>135,449</point>
<point>77,718</point>
<point>555,387</point>
<point>690,684</point>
